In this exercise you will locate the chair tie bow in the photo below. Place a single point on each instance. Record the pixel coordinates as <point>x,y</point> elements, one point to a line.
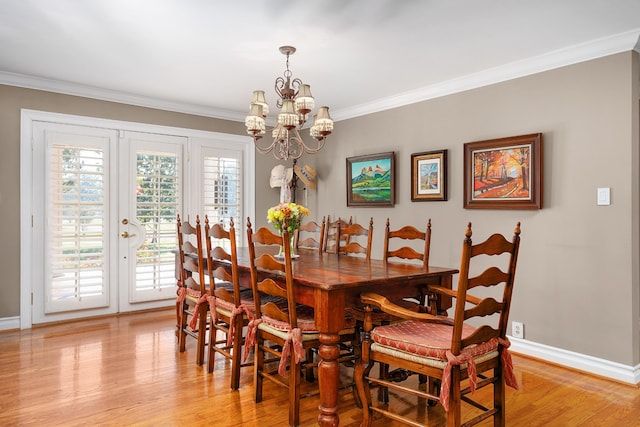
<point>212,303</point>
<point>242,308</point>
<point>459,359</point>
<point>196,314</point>
<point>250,339</point>
<point>468,357</point>
<point>293,342</point>
<point>182,294</point>
<point>507,364</point>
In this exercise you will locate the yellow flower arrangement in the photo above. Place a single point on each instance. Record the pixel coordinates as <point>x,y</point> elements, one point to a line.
<point>287,216</point>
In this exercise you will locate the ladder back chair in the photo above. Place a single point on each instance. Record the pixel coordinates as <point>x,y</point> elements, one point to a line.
<point>192,305</point>
<point>310,235</point>
<point>331,234</point>
<point>234,306</point>
<point>395,247</point>
<point>449,349</point>
<point>290,326</point>
<point>405,233</point>
<point>348,237</point>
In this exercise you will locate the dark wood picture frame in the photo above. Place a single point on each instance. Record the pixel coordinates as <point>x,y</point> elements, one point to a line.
<point>429,176</point>
<point>371,180</point>
<point>504,173</point>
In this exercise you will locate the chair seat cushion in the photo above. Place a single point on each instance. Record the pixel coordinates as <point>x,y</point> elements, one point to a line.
<point>426,339</point>
<point>193,294</point>
<point>306,321</point>
<point>246,299</point>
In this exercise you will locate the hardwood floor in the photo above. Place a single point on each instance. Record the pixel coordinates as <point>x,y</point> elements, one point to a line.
<point>125,370</point>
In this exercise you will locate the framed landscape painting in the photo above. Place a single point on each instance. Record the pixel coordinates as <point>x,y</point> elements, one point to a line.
<point>371,180</point>
<point>503,173</point>
<point>429,176</point>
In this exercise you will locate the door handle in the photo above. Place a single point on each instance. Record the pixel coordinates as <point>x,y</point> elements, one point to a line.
<point>126,235</point>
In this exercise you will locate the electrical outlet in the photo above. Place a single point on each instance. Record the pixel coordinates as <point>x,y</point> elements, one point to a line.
<point>517,329</point>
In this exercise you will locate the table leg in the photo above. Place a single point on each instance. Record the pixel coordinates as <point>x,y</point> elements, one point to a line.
<point>328,379</point>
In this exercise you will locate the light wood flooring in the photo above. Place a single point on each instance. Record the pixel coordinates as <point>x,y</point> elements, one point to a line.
<point>125,370</point>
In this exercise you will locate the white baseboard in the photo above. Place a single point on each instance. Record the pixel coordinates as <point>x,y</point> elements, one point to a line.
<point>616,371</point>
<point>7,323</point>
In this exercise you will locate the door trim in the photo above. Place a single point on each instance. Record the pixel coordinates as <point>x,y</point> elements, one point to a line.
<point>27,189</point>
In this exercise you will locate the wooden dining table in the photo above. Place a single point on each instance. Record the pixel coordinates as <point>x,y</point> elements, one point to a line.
<point>332,283</point>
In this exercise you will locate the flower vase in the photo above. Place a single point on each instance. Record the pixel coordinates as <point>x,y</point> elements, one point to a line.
<point>292,247</point>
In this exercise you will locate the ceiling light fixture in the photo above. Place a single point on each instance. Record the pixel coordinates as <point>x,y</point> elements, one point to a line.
<point>295,104</point>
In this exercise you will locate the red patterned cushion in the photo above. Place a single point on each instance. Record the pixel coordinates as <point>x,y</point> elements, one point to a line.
<point>306,322</point>
<point>193,294</point>
<point>424,339</point>
<point>246,299</point>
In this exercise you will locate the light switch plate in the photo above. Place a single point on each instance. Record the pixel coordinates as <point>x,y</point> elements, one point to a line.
<point>604,196</point>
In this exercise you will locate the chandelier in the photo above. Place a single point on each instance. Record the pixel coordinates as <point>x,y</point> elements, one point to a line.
<point>295,103</point>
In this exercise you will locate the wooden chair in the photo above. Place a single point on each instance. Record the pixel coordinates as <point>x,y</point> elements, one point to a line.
<point>234,306</point>
<point>395,247</point>
<point>448,349</point>
<point>310,235</point>
<point>348,238</point>
<point>331,234</point>
<point>191,304</point>
<point>283,331</point>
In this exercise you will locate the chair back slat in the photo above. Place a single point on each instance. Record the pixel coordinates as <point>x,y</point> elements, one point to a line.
<point>220,253</point>
<point>496,244</point>
<point>485,307</point>
<point>482,334</point>
<point>490,277</point>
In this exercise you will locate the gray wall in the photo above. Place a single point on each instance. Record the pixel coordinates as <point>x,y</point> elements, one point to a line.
<point>577,280</point>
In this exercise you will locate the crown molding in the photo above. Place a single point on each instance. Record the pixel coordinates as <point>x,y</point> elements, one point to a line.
<point>594,49</point>
<point>582,52</point>
<point>93,92</point>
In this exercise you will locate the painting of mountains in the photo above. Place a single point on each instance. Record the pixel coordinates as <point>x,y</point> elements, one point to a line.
<point>371,180</point>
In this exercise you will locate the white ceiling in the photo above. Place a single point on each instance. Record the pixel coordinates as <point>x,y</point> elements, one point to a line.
<point>207,56</point>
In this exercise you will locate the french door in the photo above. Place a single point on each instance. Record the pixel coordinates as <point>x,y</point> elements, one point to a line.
<point>105,220</point>
<point>99,206</point>
<point>150,176</point>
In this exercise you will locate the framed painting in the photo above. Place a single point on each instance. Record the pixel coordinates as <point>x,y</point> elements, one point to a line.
<point>429,176</point>
<point>503,173</point>
<point>371,180</point>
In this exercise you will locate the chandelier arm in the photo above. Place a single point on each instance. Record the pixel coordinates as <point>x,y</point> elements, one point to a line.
<point>319,146</point>
<point>295,145</point>
<point>295,85</point>
<point>279,86</point>
<point>264,150</point>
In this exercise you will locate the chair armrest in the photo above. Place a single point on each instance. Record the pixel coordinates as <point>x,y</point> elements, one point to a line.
<point>454,294</point>
<point>387,306</point>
